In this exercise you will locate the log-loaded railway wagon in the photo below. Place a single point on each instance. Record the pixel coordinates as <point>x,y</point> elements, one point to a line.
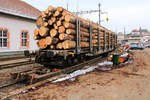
<point>64,38</point>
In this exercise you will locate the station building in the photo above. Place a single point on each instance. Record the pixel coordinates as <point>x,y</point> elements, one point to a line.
<point>17,23</point>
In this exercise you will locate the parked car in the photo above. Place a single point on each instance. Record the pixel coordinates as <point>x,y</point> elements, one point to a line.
<point>147,46</point>
<point>135,46</point>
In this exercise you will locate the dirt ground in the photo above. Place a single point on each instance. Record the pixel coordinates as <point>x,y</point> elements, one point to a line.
<point>131,82</point>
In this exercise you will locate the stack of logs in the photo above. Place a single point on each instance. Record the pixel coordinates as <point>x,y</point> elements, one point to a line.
<point>57,30</point>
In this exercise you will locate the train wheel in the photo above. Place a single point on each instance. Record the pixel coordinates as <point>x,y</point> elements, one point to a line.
<point>75,61</point>
<point>69,61</point>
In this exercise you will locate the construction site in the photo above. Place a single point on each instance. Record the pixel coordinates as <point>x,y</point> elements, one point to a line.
<point>51,52</point>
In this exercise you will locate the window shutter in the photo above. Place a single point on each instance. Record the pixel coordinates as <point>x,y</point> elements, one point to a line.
<point>20,40</point>
<point>28,39</point>
<point>1,28</point>
<point>8,40</point>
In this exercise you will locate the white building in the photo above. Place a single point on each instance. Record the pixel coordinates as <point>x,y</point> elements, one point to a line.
<point>17,23</point>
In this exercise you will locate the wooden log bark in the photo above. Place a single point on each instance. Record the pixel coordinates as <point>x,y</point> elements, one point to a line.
<point>39,22</point>
<point>84,44</point>
<point>84,29</point>
<point>84,39</point>
<point>43,14</point>
<point>69,18</point>
<point>69,25</point>
<point>70,31</point>
<point>64,36</point>
<point>51,8</point>
<point>82,34</point>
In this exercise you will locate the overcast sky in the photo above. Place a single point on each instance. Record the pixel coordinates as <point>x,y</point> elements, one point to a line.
<point>130,14</point>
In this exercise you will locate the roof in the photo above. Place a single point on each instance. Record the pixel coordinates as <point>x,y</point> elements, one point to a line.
<point>147,37</point>
<point>18,8</point>
<point>135,30</point>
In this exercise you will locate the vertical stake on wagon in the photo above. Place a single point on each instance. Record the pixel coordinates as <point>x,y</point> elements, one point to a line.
<point>32,78</point>
<point>18,76</point>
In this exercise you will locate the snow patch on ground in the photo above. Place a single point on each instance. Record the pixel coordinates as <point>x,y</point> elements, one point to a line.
<point>84,71</point>
<point>124,55</point>
<point>105,63</point>
<point>76,73</point>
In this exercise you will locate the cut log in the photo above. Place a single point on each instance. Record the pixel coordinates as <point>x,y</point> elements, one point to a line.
<point>53,19</point>
<point>48,40</point>
<point>51,8</point>
<point>60,9</point>
<point>46,11</point>
<point>56,13</point>
<point>61,18</point>
<point>82,34</point>
<point>84,39</point>
<point>59,46</point>
<point>42,43</point>
<point>68,44</point>
<point>36,37</point>
<point>53,32</point>
<point>43,31</point>
<point>45,24</point>
<point>70,31</point>
<point>52,47</point>
<point>36,31</point>
<point>69,25</point>
<point>94,41</point>
<point>84,29</point>
<point>55,26</point>
<point>55,40</point>
<point>84,24</point>
<point>63,36</point>
<point>64,13</point>
<point>84,44</point>
<point>61,29</point>
<point>58,23</point>
<point>57,30</point>
<point>43,14</point>
<point>49,14</point>
<point>39,22</point>
<point>50,22</point>
<point>69,18</point>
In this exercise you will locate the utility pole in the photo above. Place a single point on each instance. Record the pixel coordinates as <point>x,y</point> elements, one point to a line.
<point>99,5</point>
<point>124,32</point>
<point>67,6</point>
<point>92,11</point>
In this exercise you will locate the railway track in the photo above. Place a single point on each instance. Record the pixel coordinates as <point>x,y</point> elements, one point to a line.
<point>36,79</point>
<point>16,64</point>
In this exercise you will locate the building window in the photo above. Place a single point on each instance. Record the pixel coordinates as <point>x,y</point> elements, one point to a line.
<point>24,39</point>
<point>24,36</point>
<point>3,38</point>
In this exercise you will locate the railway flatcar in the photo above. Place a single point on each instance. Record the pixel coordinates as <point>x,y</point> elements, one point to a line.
<point>64,38</point>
